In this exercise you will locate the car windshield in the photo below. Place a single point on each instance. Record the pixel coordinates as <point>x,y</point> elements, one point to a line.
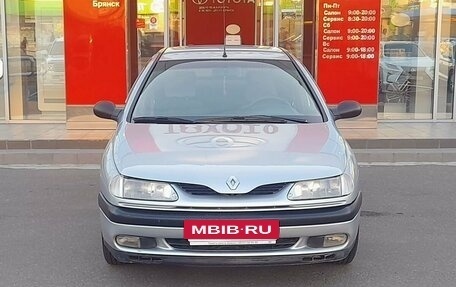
<point>212,89</point>
<point>403,50</point>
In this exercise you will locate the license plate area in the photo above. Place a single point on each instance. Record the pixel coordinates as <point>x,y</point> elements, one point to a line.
<point>231,232</point>
<point>229,242</point>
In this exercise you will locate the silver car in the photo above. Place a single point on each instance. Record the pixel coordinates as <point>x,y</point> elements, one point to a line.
<point>228,157</point>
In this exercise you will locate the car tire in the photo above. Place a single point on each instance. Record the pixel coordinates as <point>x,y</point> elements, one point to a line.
<point>352,254</point>
<point>108,256</point>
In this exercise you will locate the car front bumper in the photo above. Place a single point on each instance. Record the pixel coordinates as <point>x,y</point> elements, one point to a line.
<point>118,221</point>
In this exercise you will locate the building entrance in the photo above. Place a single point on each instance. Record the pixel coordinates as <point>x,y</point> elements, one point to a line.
<point>281,23</point>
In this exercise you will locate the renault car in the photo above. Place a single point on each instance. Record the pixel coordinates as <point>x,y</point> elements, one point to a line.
<point>228,156</point>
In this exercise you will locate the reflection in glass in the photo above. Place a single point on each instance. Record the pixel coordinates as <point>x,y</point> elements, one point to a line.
<point>36,59</point>
<point>447,62</point>
<point>291,26</point>
<point>151,15</point>
<point>407,61</point>
<point>174,23</point>
<point>268,23</point>
<point>2,90</point>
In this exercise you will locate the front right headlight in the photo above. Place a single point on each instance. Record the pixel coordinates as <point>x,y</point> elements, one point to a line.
<point>142,189</point>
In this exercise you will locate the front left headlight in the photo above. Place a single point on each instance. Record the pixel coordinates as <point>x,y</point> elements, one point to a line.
<point>142,189</point>
<point>331,187</point>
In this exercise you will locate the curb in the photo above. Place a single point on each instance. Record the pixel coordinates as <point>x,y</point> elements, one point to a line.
<point>53,144</point>
<point>51,157</point>
<point>439,155</point>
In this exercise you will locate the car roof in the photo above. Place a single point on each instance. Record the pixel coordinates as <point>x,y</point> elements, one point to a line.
<point>216,52</point>
<point>399,42</point>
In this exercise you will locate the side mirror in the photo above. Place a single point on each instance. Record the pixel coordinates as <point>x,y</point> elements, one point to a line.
<point>107,110</point>
<point>346,110</point>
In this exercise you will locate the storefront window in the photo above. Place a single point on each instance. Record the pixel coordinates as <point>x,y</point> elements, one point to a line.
<point>174,23</point>
<point>268,23</point>
<point>447,62</point>
<point>2,69</point>
<point>291,26</point>
<point>407,59</point>
<point>36,59</point>
<point>151,29</point>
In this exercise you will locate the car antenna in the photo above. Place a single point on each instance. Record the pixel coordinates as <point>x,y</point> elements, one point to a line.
<point>224,35</point>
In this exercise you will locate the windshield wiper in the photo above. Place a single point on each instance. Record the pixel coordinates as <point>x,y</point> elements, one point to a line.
<point>161,120</point>
<point>251,119</point>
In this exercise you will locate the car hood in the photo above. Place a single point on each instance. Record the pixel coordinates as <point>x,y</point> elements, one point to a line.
<point>413,62</point>
<point>55,58</point>
<point>209,154</point>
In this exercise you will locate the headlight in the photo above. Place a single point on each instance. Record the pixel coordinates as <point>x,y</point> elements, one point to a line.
<point>321,188</point>
<point>142,189</point>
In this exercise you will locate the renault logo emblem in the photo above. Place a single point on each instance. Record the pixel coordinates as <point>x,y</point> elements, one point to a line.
<point>199,2</point>
<point>232,182</point>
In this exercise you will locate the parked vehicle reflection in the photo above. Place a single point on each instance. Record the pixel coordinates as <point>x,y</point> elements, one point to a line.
<point>405,71</point>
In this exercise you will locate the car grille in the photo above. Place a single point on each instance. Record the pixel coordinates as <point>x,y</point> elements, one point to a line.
<point>282,243</point>
<point>196,189</point>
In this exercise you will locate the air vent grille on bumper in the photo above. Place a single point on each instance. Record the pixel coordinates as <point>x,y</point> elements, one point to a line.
<point>282,243</point>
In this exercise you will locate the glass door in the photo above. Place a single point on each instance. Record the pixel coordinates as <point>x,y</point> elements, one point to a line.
<point>407,60</point>
<point>291,26</point>
<point>150,29</point>
<point>266,26</point>
<point>2,64</point>
<point>281,23</point>
<point>446,61</point>
<point>36,61</point>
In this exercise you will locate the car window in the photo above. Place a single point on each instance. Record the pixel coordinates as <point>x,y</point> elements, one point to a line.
<point>402,50</point>
<point>57,48</point>
<point>226,88</point>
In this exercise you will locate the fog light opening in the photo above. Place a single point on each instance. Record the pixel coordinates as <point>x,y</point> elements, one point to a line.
<point>136,241</point>
<point>334,240</point>
<point>330,240</point>
<point>128,241</point>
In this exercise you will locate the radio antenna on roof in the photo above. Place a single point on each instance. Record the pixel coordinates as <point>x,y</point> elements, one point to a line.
<point>224,32</point>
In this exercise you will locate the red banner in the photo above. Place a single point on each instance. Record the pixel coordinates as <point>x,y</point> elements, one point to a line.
<point>95,51</point>
<point>348,50</point>
<point>205,19</point>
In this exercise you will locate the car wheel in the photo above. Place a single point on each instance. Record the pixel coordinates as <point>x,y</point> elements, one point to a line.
<point>352,254</point>
<point>108,256</point>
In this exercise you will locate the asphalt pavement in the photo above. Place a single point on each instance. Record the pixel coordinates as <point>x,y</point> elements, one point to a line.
<point>50,236</point>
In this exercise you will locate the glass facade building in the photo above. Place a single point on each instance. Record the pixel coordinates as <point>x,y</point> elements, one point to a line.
<point>417,60</point>
<point>44,59</point>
